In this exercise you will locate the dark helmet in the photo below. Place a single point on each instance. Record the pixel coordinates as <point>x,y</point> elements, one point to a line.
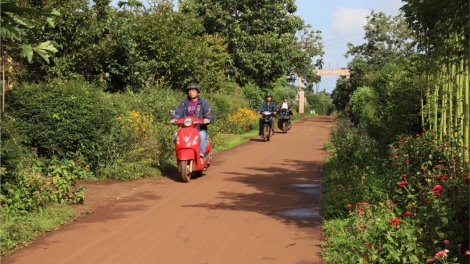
<point>268,95</point>
<point>193,86</point>
<point>284,97</point>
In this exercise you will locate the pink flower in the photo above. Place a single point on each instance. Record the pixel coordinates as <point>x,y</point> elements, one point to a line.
<point>430,260</point>
<point>437,188</point>
<point>446,242</point>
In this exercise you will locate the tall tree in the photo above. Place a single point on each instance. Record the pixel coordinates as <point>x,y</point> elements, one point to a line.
<point>261,36</point>
<point>388,39</point>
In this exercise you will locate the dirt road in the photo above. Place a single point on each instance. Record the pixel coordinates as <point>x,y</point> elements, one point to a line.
<point>258,203</point>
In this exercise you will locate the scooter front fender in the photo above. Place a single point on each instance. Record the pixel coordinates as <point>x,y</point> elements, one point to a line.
<point>186,154</point>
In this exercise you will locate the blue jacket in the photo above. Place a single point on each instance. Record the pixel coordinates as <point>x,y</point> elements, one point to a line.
<point>201,111</point>
<point>265,107</point>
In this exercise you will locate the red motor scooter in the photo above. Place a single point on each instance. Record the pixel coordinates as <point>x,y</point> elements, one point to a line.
<point>187,149</point>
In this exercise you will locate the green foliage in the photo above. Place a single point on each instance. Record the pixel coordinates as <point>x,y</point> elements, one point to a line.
<point>355,170</point>
<point>372,233</point>
<point>253,95</point>
<point>37,182</point>
<point>67,118</point>
<point>390,108</point>
<point>17,21</point>
<point>321,103</point>
<point>178,50</point>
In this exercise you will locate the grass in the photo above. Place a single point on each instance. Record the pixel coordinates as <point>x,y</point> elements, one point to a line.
<point>19,231</point>
<point>232,140</point>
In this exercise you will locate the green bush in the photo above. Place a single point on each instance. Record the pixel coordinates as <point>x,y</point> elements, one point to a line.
<point>68,118</point>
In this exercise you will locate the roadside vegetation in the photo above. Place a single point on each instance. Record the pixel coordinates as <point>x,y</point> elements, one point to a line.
<point>87,88</point>
<point>396,186</point>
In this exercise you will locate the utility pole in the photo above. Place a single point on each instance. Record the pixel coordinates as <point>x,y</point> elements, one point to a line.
<point>301,96</point>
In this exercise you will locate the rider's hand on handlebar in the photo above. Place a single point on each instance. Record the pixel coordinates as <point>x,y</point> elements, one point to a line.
<point>206,121</point>
<point>173,121</point>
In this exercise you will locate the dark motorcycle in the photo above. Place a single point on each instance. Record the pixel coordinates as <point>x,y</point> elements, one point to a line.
<point>283,120</point>
<point>266,121</point>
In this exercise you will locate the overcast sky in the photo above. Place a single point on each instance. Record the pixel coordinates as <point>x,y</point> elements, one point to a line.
<point>341,21</point>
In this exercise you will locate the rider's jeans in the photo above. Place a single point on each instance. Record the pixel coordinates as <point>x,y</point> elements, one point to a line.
<point>203,140</point>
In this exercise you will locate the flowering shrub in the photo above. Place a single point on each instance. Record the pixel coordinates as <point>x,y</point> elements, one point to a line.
<point>432,177</point>
<point>372,233</point>
<point>134,149</point>
<point>354,171</point>
<point>243,120</point>
<point>424,217</point>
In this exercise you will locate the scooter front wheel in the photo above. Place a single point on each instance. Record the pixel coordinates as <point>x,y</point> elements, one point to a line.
<point>284,127</point>
<point>266,133</point>
<point>185,171</point>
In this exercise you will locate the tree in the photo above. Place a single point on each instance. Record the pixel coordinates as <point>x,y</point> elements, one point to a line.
<point>261,37</point>
<point>16,23</point>
<point>178,50</point>
<point>388,39</point>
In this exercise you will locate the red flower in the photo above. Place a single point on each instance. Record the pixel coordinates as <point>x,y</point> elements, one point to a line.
<point>404,175</point>
<point>441,253</point>
<point>464,147</point>
<point>35,149</point>
<point>395,221</point>
<point>407,213</point>
<point>365,259</point>
<point>425,201</point>
<point>430,143</point>
<point>407,162</point>
<point>349,206</point>
<point>467,252</point>
<point>409,206</point>
<point>386,165</point>
<point>402,184</point>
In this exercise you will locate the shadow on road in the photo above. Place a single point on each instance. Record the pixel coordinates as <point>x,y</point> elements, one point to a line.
<point>291,196</point>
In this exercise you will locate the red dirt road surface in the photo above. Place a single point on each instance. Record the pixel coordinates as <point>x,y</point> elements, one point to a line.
<point>258,203</point>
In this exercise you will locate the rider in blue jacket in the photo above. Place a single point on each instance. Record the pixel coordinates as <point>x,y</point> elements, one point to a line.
<point>195,106</point>
<point>270,106</point>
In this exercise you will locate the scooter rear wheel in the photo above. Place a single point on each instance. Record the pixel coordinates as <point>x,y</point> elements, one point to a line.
<point>185,170</point>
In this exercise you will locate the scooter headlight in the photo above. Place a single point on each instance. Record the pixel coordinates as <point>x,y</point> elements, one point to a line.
<point>188,122</point>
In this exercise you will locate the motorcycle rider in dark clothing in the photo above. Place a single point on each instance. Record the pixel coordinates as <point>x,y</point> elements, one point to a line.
<point>270,106</point>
